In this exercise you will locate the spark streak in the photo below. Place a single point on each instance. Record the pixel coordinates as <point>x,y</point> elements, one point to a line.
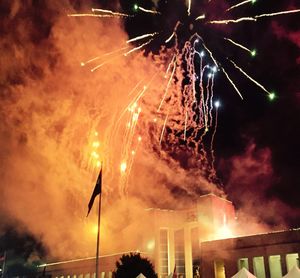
<point>111,13</point>
<point>249,77</point>
<point>90,15</point>
<point>226,21</point>
<point>174,32</point>
<point>148,11</point>
<point>278,13</point>
<point>189,7</point>
<point>185,125</point>
<point>232,83</point>
<point>239,4</point>
<point>106,54</point>
<point>163,129</point>
<point>142,37</point>
<point>200,17</point>
<point>239,45</point>
<point>211,55</point>
<point>137,48</point>
<point>167,88</point>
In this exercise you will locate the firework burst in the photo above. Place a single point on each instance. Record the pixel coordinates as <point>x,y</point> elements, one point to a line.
<point>186,115</point>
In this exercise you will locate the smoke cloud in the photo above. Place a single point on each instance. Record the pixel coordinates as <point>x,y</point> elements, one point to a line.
<point>51,108</point>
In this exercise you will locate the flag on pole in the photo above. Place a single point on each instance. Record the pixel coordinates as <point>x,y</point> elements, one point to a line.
<point>97,191</point>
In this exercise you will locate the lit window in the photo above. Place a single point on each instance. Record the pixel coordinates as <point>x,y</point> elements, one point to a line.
<point>275,266</point>
<point>292,260</point>
<point>243,262</point>
<point>259,267</point>
<point>219,269</point>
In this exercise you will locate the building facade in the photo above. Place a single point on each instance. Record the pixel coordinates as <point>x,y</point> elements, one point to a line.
<point>269,255</point>
<point>196,242</point>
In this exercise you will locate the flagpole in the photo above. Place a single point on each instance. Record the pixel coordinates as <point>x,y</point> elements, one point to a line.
<point>98,235</point>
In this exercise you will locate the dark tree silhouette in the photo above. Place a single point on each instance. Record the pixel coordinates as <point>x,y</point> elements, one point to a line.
<point>130,266</point>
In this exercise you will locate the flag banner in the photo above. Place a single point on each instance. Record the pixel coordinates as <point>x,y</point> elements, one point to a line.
<point>97,191</point>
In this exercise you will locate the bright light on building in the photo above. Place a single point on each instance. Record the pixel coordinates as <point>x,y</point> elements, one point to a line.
<point>123,167</point>
<point>151,244</point>
<point>96,144</point>
<point>224,232</point>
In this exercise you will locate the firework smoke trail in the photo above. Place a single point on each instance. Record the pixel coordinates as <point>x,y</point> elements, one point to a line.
<point>211,99</point>
<point>240,4</point>
<point>217,104</point>
<point>249,77</point>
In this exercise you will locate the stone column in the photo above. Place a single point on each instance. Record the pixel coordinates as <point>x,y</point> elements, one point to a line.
<point>267,268</point>
<point>283,264</point>
<point>188,253</point>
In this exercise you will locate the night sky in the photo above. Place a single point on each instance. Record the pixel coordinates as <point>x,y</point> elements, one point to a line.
<point>255,123</point>
<point>49,105</point>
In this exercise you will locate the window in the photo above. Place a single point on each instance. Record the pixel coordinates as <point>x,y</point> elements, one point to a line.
<point>259,267</point>
<point>243,262</point>
<point>291,261</point>
<point>179,253</point>
<point>219,269</point>
<point>163,251</point>
<point>275,266</point>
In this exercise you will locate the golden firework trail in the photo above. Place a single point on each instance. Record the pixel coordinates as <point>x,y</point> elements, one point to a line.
<point>104,55</point>
<point>90,15</point>
<point>249,77</point>
<point>239,45</point>
<point>278,13</point>
<point>142,37</point>
<point>189,7</point>
<point>174,32</point>
<point>168,85</point>
<point>200,17</point>
<point>232,83</point>
<point>111,13</point>
<point>148,11</point>
<point>240,4</point>
<point>137,48</point>
<point>226,21</point>
<point>185,125</point>
<point>163,129</point>
<point>169,66</point>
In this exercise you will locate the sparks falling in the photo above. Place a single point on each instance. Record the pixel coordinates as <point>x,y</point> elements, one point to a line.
<point>185,110</point>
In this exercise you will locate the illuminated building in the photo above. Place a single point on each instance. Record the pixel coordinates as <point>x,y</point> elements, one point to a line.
<point>197,240</point>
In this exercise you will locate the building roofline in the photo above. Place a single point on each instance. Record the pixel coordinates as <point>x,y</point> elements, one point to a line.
<point>214,195</point>
<point>251,235</point>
